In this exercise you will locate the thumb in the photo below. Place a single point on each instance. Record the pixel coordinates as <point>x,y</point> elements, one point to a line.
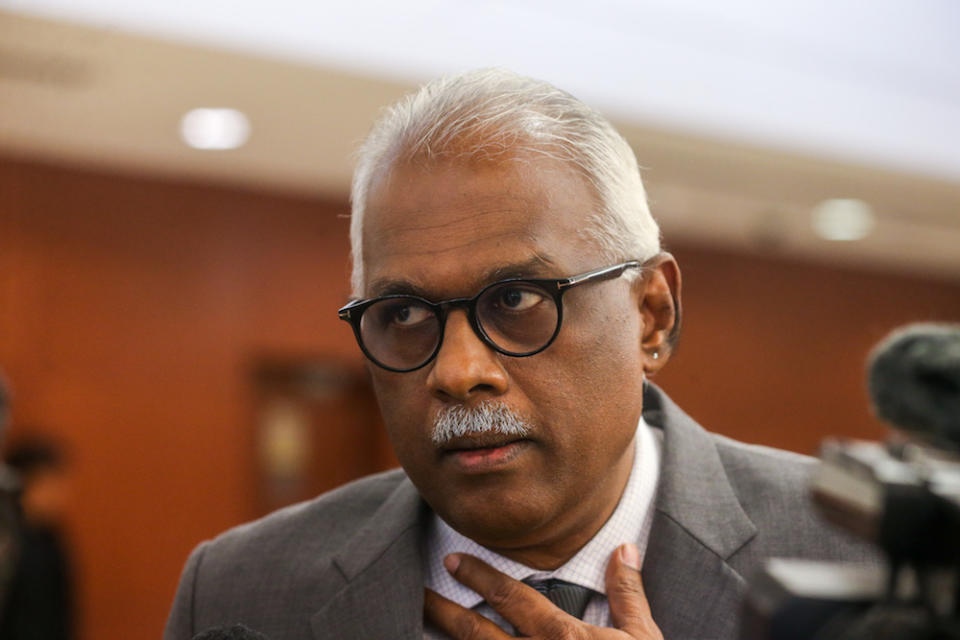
<point>629,608</point>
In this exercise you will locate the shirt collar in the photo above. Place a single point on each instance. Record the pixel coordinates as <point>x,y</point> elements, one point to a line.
<point>630,522</point>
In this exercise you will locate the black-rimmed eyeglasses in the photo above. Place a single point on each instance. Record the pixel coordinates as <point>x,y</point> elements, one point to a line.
<point>517,317</point>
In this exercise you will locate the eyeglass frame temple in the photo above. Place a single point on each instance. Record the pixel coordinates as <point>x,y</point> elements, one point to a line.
<point>606,273</point>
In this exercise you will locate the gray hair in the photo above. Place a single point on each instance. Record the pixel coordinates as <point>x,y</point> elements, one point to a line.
<point>488,417</point>
<point>491,113</point>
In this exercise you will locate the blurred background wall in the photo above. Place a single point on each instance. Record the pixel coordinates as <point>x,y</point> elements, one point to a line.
<point>169,312</point>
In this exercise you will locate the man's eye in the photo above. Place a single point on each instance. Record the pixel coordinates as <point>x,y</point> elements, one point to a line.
<point>407,315</point>
<point>518,299</point>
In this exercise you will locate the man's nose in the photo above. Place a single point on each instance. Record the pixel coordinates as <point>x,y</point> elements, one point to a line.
<point>465,366</point>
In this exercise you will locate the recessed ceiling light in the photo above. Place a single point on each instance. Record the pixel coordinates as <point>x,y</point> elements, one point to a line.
<point>843,219</point>
<point>215,128</point>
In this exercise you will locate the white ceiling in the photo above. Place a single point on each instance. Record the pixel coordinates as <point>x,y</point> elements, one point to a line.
<point>745,118</point>
<point>872,81</point>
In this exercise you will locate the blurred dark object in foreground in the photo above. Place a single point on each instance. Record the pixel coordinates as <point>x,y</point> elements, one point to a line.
<point>9,511</point>
<point>903,496</point>
<point>9,527</point>
<point>38,605</point>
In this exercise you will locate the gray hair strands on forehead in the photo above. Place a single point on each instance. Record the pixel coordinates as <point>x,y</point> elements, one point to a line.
<point>491,113</point>
<point>489,417</point>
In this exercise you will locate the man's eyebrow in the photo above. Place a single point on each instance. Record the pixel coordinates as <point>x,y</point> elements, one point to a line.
<point>536,266</point>
<point>392,287</point>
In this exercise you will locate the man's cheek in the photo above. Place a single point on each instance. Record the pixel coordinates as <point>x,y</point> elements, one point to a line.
<point>395,398</point>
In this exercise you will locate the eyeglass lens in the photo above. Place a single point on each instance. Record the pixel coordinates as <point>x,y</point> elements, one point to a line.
<point>402,333</point>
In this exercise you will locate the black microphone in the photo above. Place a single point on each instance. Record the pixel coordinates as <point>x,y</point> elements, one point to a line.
<point>914,382</point>
<point>236,632</point>
<point>902,496</point>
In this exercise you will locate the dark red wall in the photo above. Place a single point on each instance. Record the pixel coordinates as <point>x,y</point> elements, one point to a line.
<point>774,351</point>
<point>132,309</point>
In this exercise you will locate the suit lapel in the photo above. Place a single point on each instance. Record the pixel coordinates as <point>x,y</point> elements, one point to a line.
<point>381,565</point>
<point>698,524</point>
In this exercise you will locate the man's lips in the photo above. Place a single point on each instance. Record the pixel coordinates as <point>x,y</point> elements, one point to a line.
<point>484,440</point>
<point>483,453</point>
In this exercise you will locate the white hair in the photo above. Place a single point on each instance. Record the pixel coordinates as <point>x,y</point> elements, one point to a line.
<point>491,113</point>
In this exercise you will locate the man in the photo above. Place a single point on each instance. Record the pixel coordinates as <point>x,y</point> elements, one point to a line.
<point>512,299</point>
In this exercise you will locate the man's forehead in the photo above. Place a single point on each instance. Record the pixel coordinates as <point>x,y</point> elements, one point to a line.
<point>434,229</point>
<point>465,225</point>
<point>515,184</point>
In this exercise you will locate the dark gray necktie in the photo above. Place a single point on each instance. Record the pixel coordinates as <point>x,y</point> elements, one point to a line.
<point>572,598</point>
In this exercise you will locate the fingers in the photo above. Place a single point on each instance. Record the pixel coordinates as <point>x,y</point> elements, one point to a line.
<point>458,622</point>
<point>629,609</point>
<point>531,613</point>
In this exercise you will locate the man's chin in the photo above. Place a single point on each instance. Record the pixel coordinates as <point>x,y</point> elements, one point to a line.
<point>497,521</point>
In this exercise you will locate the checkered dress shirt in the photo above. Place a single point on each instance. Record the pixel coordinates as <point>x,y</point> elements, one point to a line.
<point>630,522</point>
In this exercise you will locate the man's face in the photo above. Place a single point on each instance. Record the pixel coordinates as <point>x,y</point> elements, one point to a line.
<point>447,231</point>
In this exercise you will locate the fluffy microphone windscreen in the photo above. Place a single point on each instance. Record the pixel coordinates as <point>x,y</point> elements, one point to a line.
<point>914,381</point>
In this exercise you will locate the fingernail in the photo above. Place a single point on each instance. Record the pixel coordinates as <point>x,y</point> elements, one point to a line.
<point>451,562</point>
<point>630,556</point>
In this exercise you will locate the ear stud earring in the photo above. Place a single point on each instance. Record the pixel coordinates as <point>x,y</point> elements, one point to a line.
<point>656,355</point>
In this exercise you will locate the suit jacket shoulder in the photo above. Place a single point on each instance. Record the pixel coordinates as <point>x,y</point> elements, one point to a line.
<point>280,534</point>
<point>773,487</point>
<point>278,572</point>
<point>722,509</point>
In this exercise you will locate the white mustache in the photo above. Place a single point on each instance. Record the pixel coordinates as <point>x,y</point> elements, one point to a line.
<point>493,417</point>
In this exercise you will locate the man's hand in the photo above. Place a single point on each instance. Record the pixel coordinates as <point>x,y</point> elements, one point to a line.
<point>532,614</point>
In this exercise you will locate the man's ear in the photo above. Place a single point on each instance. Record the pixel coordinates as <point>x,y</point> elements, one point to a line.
<point>659,299</point>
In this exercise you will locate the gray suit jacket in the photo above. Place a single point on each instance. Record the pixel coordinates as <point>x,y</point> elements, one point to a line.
<point>348,564</point>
